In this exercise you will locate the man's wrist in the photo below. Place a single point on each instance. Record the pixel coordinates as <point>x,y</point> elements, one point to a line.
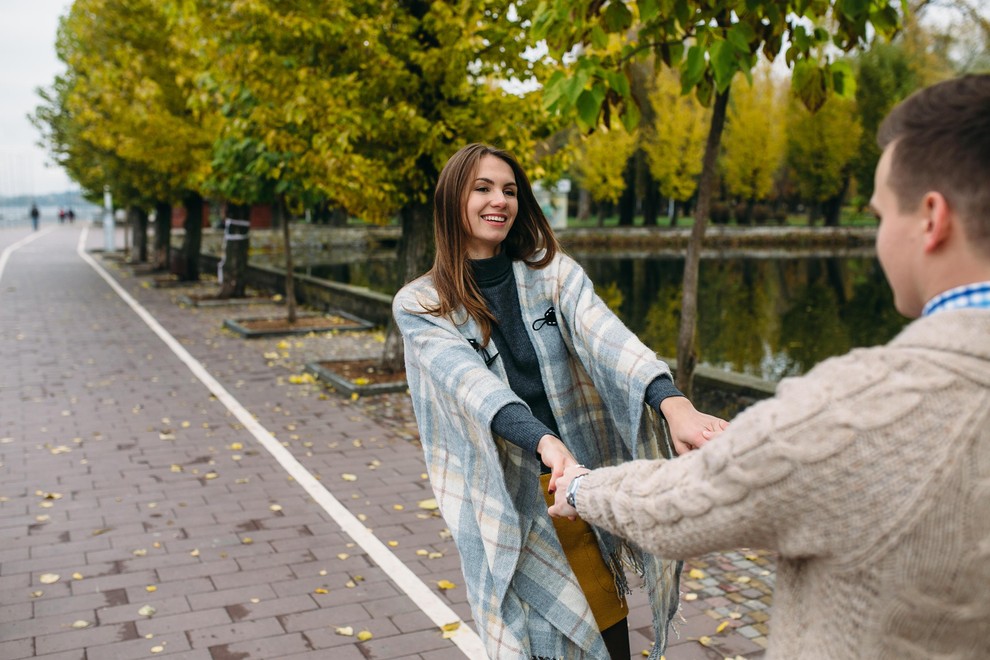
<point>572,488</point>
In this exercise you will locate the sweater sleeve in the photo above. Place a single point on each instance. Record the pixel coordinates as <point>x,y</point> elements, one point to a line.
<point>661,388</point>
<point>516,423</point>
<point>826,453</point>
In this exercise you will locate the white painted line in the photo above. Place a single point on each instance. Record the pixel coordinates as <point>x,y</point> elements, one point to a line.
<point>466,639</point>
<point>10,249</point>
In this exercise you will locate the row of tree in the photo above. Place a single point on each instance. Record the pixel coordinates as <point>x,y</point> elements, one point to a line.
<point>358,103</point>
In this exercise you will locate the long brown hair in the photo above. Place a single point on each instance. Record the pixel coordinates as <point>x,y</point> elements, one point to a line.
<point>529,234</point>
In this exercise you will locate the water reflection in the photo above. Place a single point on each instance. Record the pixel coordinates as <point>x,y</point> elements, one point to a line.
<point>766,317</point>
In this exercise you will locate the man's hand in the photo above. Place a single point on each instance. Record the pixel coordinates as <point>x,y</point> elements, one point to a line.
<point>555,456</point>
<point>689,429</point>
<point>560,508</point>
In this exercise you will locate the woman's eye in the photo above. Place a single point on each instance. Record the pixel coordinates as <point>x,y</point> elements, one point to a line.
<point>482,189</point>
<point>510,193</point>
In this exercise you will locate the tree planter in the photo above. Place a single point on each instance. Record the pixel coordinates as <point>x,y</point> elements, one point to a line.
<point>270,327</point>
<point>361,377</point>
<point>213,300</point>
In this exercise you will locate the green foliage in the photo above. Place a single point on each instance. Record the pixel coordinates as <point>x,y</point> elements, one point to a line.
<point>708,41</point>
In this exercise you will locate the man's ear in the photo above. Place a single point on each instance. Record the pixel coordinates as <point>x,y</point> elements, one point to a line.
<point>939,221</point>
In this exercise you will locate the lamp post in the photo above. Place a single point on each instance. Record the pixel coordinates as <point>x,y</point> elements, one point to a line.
<point>108,224</point>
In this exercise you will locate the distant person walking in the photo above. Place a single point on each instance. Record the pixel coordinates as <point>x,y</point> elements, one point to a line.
<point>71,215</point>
<point>35,214</point>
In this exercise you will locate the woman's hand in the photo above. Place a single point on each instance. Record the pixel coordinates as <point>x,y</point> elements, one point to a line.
<point>560,508</point>
<point>555,456</point>
<point>689,429</point>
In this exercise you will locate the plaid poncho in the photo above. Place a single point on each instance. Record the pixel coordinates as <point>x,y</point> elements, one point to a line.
<point>524,597</point>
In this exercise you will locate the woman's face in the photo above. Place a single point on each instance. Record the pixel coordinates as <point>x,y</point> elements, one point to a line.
<point>490,208</point>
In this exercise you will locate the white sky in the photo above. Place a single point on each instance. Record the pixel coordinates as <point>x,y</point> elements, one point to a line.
<point>27,61</point>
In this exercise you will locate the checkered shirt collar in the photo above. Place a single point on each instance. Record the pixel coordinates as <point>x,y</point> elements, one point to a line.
<point>968,295</point>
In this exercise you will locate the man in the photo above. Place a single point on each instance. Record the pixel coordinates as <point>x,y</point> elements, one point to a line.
<point>869,476</point>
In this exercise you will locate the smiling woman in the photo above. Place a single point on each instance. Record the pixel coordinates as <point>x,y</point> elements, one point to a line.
<point>491,207</point>
<point>518,370</point>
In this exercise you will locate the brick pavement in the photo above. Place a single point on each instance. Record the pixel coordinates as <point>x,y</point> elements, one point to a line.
<point>121,474</point>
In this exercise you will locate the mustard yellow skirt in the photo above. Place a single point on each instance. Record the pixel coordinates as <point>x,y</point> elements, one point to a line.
<point>582,552</point>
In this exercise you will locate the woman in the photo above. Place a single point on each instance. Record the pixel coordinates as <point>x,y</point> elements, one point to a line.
<point>517,371</point>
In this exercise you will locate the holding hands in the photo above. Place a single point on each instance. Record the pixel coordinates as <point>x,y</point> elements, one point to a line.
<point>689,429</point>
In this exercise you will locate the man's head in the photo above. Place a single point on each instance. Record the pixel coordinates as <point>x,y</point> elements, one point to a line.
<point>932,191</point>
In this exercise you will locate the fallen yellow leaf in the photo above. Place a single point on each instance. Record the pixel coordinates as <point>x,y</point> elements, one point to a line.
<point>446,584</point>
<point>705,640</point>
<point>321,590</point>
<point>147,610</point>
<point>690,597</point>
<point>151,588</point>
<point>393,544</point>
<point>348,477</point>
<point>77,576</point>
<point>722,626</point>
<point>453,625</point>
<point>346,631</point>
<point>48,578</point>
<point>429,505</point>
<point>157,649</point>
<point>364,636</point>
<point>696,574</point>
<point>81,624</point>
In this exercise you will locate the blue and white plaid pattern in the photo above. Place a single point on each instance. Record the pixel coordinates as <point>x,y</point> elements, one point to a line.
<point>969,295</point>
<point>524,597</point>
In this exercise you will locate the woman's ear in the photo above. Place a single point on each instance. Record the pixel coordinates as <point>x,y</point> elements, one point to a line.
<point>939,220</point>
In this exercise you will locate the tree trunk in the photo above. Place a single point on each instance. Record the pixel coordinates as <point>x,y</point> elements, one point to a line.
<point>415,255</point>
<point>686,354</point>
<point>584,205</point>
<point>188,266</point>
<point>138,218</point>
<point>163,235</point>
<point>832,207</point>
<point>627,203</point>
<point>235,251</point>
<point>290,281</point>
<point>651,200</point>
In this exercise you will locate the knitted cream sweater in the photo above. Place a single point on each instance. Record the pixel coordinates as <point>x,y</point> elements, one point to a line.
<point>870,476</point>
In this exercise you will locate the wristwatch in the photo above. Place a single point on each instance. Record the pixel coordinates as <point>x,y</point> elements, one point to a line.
<point>571,496</point>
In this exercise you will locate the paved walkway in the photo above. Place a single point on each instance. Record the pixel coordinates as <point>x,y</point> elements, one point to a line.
<point>170,489</point>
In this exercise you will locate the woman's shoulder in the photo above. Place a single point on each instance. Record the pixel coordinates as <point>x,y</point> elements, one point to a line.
<point>416,294</point>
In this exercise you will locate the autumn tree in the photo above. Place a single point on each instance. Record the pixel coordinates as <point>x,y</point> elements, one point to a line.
<point>709,42</point>
<point>675,139</point>
<point>820,149</point>
<point>601,162</point>
<point>363,102</point>
<point>754,142</point>
<point>127,101</point>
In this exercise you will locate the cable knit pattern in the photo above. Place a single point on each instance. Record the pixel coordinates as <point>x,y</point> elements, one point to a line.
<point>870,476</point>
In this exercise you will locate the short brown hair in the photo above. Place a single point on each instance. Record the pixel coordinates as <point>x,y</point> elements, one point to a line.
<point>529,234</point>
<point>941,138</point>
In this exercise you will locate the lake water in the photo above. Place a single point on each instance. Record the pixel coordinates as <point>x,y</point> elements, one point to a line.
<point>766,317</point>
